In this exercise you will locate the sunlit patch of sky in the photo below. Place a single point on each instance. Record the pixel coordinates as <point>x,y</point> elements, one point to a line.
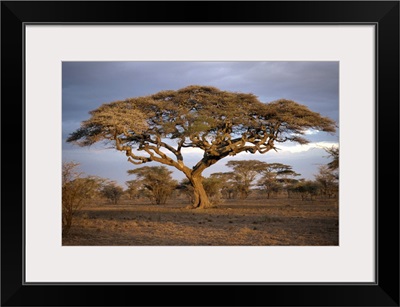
<point>87,85</point>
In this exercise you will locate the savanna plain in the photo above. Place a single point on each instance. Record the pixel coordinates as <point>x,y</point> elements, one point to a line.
<point>255,221</point>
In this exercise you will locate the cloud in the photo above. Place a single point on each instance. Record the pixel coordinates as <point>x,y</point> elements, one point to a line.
<point>87,84</point>
<point>310,132</point>
<point>192,151</point>
<point>306,147</point>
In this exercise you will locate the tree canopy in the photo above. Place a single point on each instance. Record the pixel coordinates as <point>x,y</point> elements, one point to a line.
<point>244,173</point>
<point>156,181</point>
<point>334,154</point>
<point>220,123</point>
<point>276,176</point>
<point>77,191</point>
<point>112,191</point>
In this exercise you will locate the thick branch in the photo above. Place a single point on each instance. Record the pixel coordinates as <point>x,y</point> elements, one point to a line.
<point>152,150</point>
<point>176,152</point>
<point>131,156</point>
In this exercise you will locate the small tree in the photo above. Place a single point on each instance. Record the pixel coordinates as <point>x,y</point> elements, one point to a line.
<point>112,192</point>
<point>228,188</point>
<point>307,189</point>
<point>334,154</point>
<point>77,191</point>
<point>244,173</point>
<point>276,177</point>
<point>213,186</point>
<point>270,185</point>
<point>133,189</point>
<point>328,180</point>
<point>157,181</point>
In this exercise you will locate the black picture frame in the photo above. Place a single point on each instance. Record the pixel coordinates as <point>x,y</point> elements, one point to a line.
<point>383,14</point>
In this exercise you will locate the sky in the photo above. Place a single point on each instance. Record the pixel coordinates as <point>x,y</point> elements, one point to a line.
<point>87,85</point>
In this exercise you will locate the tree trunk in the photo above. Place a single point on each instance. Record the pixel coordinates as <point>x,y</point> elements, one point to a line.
<point>201,200</point>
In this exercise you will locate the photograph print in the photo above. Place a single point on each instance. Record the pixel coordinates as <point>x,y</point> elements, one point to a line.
<point>200,153</point>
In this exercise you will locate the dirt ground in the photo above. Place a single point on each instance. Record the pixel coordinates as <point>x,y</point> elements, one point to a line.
<point>252,222</point>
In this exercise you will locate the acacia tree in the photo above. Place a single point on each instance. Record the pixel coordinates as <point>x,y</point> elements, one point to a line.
<point>132,189</point>
<point>156,181</point>
<point>307,189</point>
<point>220,123</point>
<point>228,187</point>
<point>275,177</point>
<point>213,186</point>
<point>112,191</point>
<point>244,173</point>
<point>77,191</point>
<point>328,180</point>
<point>334,154</point>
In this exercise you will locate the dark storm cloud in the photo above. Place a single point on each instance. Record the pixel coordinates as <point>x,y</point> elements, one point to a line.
<point>314,84</point>
<point>87,85</point>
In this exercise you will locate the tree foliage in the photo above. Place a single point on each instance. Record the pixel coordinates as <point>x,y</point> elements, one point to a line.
<point>307,189</point>
<point>77,191</point>
<point>333,152</point>
<point>132,189</point>
<point>244,173</point>
<point>276,177</point>
<point>156,181</point>
<point>328,180</point>
<point>228,186</point>
<point>220,123</point>
<point>112,191</point>
<point>213,186</point>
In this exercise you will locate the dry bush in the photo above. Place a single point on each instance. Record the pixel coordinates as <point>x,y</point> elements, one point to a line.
<point>77,191</point>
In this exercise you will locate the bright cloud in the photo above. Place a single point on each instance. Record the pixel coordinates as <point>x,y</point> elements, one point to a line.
<point>281,148</point>
<point>310,132</point>
<point>306,147</point>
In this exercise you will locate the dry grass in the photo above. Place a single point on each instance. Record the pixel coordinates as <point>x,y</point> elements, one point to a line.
<point>253,222</point>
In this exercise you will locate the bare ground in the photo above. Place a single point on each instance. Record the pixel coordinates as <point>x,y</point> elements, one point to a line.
<point>252,222</point>
<point>256,222</point>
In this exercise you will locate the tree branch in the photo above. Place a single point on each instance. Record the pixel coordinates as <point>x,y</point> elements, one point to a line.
<point>159,143</point>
